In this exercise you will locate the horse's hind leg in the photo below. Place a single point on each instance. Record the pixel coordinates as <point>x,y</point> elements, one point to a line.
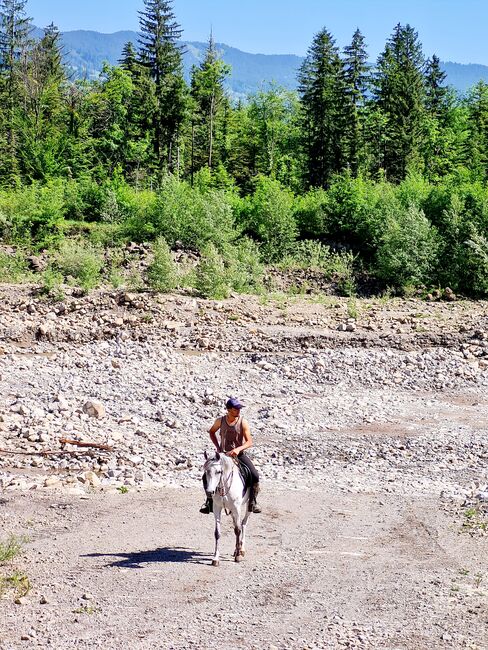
<point>218,515</point>
<point>243,531</point>
<point>238,532</point>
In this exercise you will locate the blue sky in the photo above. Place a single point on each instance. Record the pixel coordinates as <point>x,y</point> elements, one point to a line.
<point>453,29</point>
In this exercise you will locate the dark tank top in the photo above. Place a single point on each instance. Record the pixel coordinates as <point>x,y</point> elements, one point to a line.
<point>231,436</point>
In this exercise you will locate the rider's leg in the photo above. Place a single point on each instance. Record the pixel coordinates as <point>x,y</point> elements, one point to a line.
<point>245,460</point>
<point>207,507</point>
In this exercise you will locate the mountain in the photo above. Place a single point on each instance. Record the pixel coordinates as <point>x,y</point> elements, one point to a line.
<point>86,51</point>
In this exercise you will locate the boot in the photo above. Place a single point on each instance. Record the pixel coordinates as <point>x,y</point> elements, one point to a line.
<point>253,506</point>
<point>207,507</point>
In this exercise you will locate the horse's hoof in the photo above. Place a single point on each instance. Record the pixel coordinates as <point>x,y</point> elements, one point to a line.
<point>215,563</point>
<point>237,558</point>
<point>243,553</point>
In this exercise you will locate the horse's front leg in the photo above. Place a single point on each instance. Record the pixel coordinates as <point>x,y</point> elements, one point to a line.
<point>236,516</point>
<point>244,528</point>
<point>217,510</point>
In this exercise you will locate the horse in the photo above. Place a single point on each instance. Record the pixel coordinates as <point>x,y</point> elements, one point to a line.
<point>225,485</point>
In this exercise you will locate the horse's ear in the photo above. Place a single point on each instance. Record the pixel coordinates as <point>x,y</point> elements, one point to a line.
<point>217,456</point>
<point>205,454</point>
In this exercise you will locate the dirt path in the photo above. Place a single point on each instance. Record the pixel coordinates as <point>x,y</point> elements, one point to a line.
<point>322,571</point>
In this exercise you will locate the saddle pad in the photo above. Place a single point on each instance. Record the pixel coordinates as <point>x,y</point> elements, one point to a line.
<point>246,476</point>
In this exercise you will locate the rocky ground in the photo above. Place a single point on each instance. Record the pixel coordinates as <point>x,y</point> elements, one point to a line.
<point>370,421</point>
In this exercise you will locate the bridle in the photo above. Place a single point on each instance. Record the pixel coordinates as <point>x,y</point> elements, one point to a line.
<point>223,487</point>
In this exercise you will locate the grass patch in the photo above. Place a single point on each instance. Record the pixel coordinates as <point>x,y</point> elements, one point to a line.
<point>475,520</point>
<point>16,581</point>
<point>12,548</point>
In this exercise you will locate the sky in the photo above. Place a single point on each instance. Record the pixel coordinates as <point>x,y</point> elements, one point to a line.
<point>455,30</point>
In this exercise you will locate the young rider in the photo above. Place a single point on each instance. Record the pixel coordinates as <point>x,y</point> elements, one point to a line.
<point>235,438</point>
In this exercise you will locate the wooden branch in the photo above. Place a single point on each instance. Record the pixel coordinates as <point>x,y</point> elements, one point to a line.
<point>91,445</point>
<point>60,452</point>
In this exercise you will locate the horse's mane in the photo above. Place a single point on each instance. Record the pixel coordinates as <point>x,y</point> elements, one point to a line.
<point>222,458</point>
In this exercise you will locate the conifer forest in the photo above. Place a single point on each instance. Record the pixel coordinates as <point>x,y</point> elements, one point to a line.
<point>374,172</point>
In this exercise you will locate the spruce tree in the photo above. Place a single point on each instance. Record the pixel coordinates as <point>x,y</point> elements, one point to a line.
<point>209,107</point>
<point>399,91</point>
<point>321,89</point>
<point>437,93</point>
<point>40,117</point>
<point>356,75</point>
<point>14,43</point>
<point>160,52</point>
<point>477,142</point>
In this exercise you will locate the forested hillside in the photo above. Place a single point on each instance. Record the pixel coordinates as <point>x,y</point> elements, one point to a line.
<point>85,52</point>
<point>375,172</point>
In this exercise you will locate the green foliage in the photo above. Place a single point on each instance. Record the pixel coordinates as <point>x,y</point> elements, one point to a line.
<point>13,267</point>
<point>161,273</point>
<point>32,214</point>
<point>52,284</point>
<point>80,263</point>
<point>269,217</point>
<point>407,253</point>
<point>190,217</point>
<point>212,279</point>
<point>245,270</point>
<point>11,548</point>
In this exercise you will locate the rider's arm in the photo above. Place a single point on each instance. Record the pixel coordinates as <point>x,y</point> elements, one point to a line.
<point>212,431</point>
<point>246,434</point>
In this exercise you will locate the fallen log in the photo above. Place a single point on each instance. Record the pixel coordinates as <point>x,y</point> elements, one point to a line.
<point>90,445</point>
<point>47,452</point>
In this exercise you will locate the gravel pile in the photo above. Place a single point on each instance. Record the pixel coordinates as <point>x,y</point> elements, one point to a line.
<point>370,403</point>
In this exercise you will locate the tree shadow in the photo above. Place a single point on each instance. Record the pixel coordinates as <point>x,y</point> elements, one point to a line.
<point>165,555</point>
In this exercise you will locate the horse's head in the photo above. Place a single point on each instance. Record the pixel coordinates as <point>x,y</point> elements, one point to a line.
<point>213,472</point>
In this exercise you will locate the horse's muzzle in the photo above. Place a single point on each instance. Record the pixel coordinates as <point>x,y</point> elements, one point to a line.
<point>209,493</point>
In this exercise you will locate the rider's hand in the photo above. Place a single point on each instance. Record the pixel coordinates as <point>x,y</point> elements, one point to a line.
<point>233,453</point>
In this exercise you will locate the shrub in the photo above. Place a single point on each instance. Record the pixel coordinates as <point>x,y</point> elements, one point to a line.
<point>32,215</point>
<point>188,216</point>
<point>161,274</point>
<point>13,268</point>
<point>245,268</point>
<point>311,214</point>
<point>211,277</point>
<point>269,217</point>
<point>82,262</point>
<point>52,284</point>
<point>408,249</point>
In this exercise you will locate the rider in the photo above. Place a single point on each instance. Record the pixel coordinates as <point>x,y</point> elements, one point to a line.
<point>235,438</point>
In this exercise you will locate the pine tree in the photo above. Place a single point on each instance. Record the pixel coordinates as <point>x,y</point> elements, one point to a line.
<point>40,116</point>
<point>436,99</point>
<point>399,91</point>
<point>128,60</point>
<point>477,142</point>
<point>14,44</point>
<point>210,103</point>
<point>160,52</point>
<point>356,75</point>
<point>321,89</point>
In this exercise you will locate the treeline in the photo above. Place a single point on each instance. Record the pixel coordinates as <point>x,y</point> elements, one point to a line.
<point>384,163</point>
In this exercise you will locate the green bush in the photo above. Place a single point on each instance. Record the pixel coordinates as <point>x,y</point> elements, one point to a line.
<point>269,217</point>
<point>212,279</point>
<point>52,284</point>
<point>407,253</point>
<point>81,262</point>
<point>13,268</point>
<point>187,216</point>
<point>245,268</point>
<point>310,212</point>
<point>161,273</point>
<point>32,215</point>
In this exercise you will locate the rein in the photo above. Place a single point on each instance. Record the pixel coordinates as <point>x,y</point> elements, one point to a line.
<point>222,488</point>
